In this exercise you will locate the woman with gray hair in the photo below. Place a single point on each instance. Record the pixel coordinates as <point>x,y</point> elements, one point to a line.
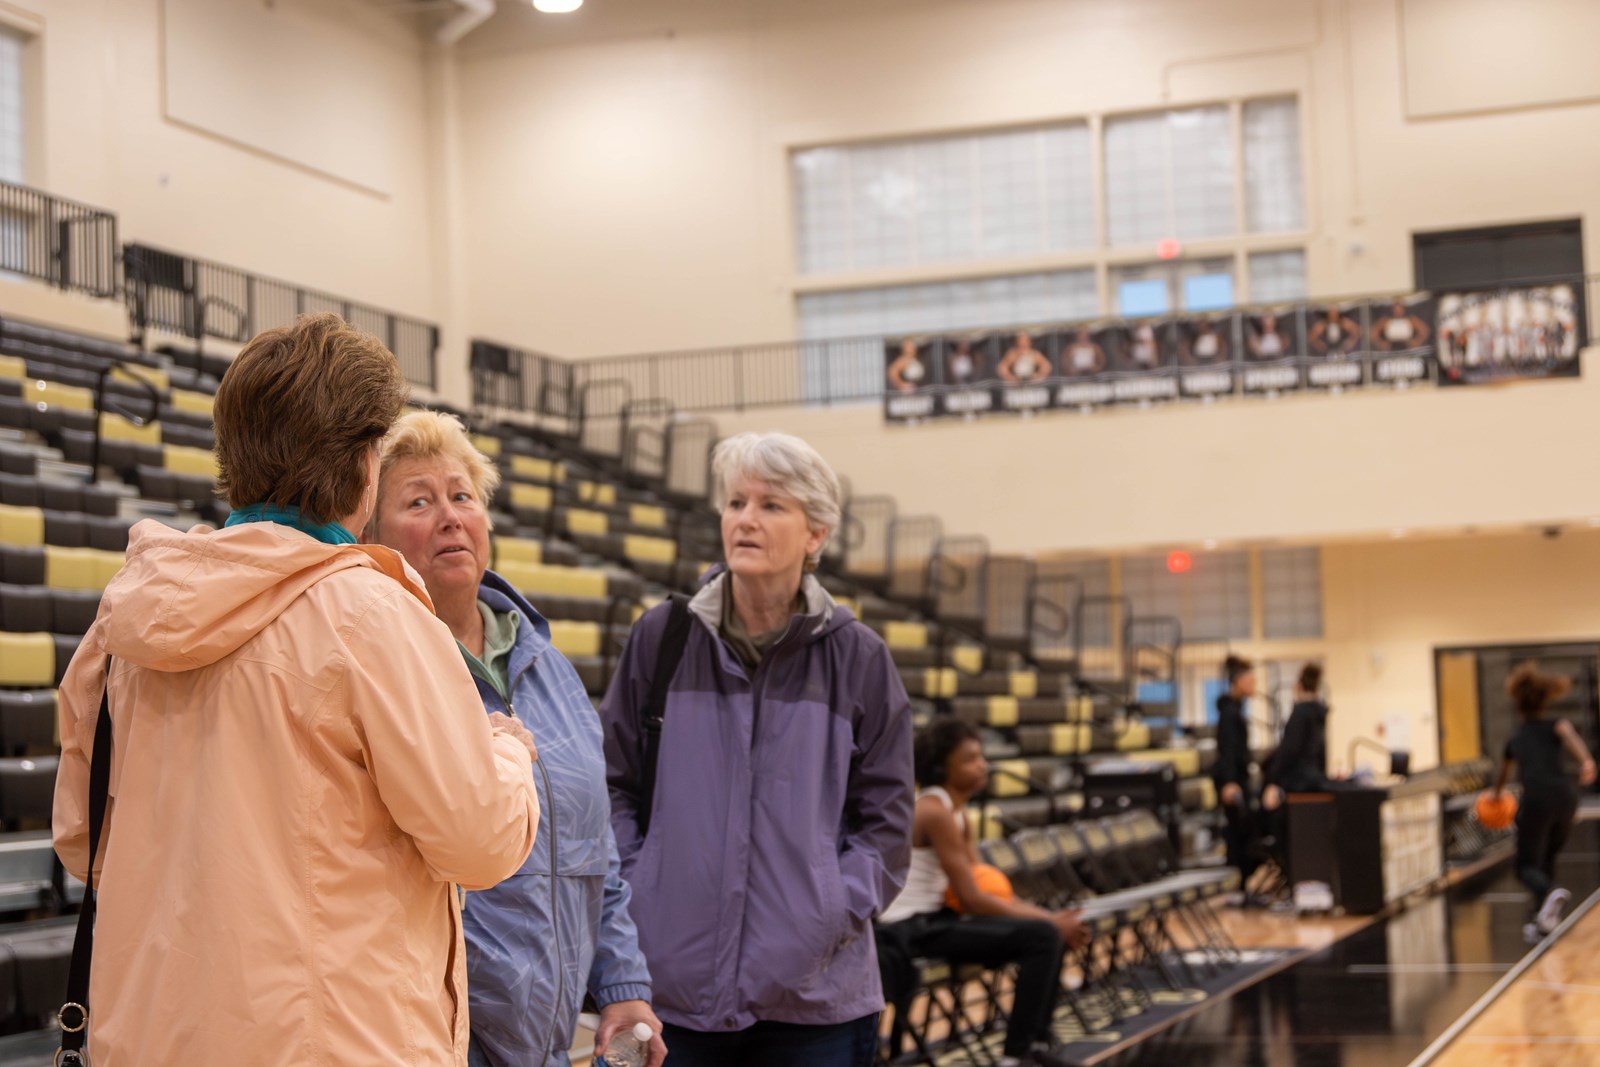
<point>758,750</point>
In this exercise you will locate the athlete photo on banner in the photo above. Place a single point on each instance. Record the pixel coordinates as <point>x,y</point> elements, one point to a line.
<point>1499,335</point>
<point>1025,367</point>
<point>1332,340</point>
<point>909,391</point>
<point>1400,339</point>
<point>1206,348</point>
<point>969,385</point>
<point>1272,348</point>
<point>1083,350</point>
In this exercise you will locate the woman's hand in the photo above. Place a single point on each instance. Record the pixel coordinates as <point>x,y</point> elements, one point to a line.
<point>1071,928</point>
<point>1586,773</point>
<point>505,724</point>
<point>623,1016</point>
<point>1232,795</point>
<point>1271,798</point>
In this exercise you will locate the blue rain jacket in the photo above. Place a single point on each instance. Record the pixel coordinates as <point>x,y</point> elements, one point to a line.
<point>560,926</point>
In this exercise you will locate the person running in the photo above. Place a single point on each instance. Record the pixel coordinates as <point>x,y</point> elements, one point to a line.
<point>1549,801</point>
<point>990,930</point>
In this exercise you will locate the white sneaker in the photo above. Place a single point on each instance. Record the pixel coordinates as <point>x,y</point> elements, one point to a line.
<point>1550,910</point>
<point>1531,934</point>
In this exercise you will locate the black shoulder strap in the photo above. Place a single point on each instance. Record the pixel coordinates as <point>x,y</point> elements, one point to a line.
<point>651,716</point>
<point>74,1014</point>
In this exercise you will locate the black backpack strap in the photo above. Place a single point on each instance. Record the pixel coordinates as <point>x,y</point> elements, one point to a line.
<point>74,1014</point>
<point>651,716</point>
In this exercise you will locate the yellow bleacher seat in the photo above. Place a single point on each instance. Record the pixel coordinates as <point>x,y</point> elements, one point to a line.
<point>153,376</point>
<point>13,369</point>
<point>1080,709</point>
<point>79,568</point>
<point>489,446</point>
<point>1024,684</point>
<point>562,581</point>
<point>968,658</point>
<point>648,515</point>
<point>1134,736</point>
<point>518,550</point>
<point>1012,781</point>
<point>181,459</point>
<point>908,635</point>
<point>536,497</point>
<point>1208,794</point>
<point>643,549</point>
<point>192,402</point>
<point>580,521</point>
<point>114,427</point>
<point>575,640</point>
<point>939,683</point>
<point>1186,761</point>
<point>1002,711</point>
<point>1070,739</point>
<point>57,395</point>
<point>27,659</point>
<point>21,526</point>
<point>531,467</point>
<point>849,602</point>
<point>600,494</point>
<point>986,829</point>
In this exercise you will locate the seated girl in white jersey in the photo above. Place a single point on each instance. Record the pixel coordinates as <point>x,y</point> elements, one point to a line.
<point>989,930</point>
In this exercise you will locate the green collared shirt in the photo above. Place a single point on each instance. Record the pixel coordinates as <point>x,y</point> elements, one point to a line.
<point>499,636</point>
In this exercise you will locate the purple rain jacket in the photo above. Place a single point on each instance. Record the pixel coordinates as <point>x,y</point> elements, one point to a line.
<point>781,822</point>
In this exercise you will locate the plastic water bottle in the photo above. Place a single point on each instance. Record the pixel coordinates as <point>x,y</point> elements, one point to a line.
<point>630,1048</point>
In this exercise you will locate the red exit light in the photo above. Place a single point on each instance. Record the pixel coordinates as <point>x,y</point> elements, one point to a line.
<point>1179,562</point>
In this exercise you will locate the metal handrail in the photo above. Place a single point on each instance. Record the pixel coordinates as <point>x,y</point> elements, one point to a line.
<point>100,407</point>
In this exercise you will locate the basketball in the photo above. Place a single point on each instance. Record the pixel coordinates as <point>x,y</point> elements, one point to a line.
<point>990,879</point>
<point>1495,814</point>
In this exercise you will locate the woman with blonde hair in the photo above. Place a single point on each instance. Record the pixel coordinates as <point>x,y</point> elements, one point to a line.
<point>299,776</point>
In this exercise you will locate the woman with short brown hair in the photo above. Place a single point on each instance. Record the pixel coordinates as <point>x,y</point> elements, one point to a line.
<point>300,772</point>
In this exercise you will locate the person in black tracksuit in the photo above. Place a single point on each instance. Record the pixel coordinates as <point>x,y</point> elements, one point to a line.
<point>1231,774</point>
<point>1300,764</point>
<point>1549,800</point>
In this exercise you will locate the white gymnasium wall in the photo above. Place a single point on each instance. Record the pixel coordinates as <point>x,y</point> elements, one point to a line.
<point>288,138</point>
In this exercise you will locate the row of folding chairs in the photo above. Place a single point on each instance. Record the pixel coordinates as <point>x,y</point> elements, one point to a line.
<point>1153,932</point>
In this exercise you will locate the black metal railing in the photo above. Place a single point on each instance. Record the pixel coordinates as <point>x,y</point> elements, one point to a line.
<point>69,245</point>
<point>200,299</point>
<point>853,369</point>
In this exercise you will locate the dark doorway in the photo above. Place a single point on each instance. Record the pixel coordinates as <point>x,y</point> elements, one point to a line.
<point>1489,668</point>
<point>1498,255</point>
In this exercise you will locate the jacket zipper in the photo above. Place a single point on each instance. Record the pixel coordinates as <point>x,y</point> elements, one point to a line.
<point>555,910</point>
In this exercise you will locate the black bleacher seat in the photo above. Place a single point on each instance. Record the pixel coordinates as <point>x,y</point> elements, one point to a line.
<point>57,495</point>
<point>27,789</point>
<point>73,530</point>
<point>23,462</point>
<point>27,721</point>
<point>27,875</point>
<point>26,608</point>
<point>40,955</point>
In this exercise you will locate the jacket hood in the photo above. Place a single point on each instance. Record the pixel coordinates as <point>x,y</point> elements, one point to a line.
<point>823,614</point>
<point>185,600</point>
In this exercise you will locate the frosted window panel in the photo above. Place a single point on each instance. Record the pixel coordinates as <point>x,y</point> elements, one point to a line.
<point>1277,276</point>
<point>944,199</point>
<point>1069,186</point>
<point>11,159</point>
<point>1142,297</point>
<point>1274,186</point>
<point>881,207</point>
<point>1291,592</point>
<point>945,173</point>
<point>1202,172</point>
<point>1137,186</point>
<point>1207,292</point>
<point>997,303</point>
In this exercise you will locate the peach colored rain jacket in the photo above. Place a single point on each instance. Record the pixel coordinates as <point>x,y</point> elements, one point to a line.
<point>302,773</point>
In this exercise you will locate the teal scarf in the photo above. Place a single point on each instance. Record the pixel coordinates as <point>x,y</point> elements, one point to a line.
<point>329,533</point>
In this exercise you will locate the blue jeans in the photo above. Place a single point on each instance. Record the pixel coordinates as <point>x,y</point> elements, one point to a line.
<point>852,1044</point>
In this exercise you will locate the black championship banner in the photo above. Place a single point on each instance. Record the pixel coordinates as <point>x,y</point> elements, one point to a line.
<point>1501,335</point>
<point>1400,339</point>
<point>968,376</point>
<point>909,390</point>
<point>1025,369</point>
<point>1273,343</point>
<point>1331,340</point>
<point>1207,345</point>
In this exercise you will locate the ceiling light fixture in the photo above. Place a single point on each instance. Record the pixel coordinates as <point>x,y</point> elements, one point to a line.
<point>557,7</point>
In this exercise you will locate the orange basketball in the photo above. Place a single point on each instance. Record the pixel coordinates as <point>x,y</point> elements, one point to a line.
<point>991,880</point>
<point>1495,814</point>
